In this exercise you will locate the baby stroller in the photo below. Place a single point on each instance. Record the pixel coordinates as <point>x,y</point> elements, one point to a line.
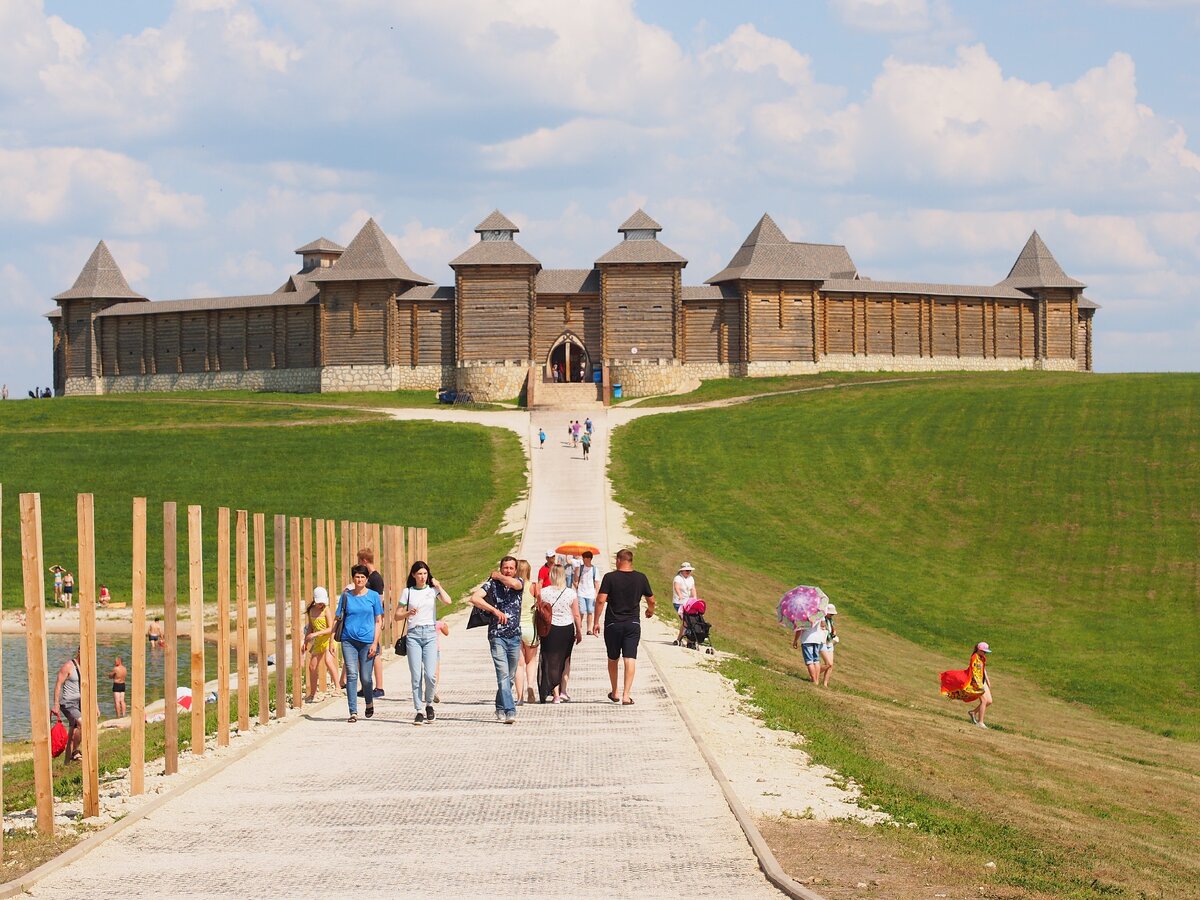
<point>695,628</point>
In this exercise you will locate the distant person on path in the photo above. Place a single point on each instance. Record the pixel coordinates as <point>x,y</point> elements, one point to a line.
<point>617,604</point>
<point>500,595</point>
<point>154,634</point>
<point>68,589</point>
<point>971,684</point>
<point>366,557</point>
<point>831,638</point>
<point>566,630</point>
<point>541,438</point>
<point>362,610</point>
<point>4,392</point>
<point>527,667</point>
<point>544,571</point>
<point>575,429</point>
<point>118,675</point>
<point>58,583</point>
<point>418,604</point>
<point>683,590</point>
<point>318,642</point>
<point>587,424</point>
<point>586,440</point>
<point>68,701</point>
<point>586,587</point>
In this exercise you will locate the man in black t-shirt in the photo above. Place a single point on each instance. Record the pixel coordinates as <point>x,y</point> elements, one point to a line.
<point>617,603</point>
<point>366,557</point>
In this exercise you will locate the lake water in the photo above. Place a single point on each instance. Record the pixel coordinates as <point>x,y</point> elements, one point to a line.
<point>60,647</point>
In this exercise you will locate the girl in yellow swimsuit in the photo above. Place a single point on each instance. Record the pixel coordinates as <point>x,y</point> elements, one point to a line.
<point>317,641</point>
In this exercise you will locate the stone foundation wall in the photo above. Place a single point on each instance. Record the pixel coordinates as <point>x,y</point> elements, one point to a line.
<point>492,382</point>
<point>845,362</point>
<point>284,380</point>
<point>334,379</point>
<point>645,379</point>
<point>77,387</point>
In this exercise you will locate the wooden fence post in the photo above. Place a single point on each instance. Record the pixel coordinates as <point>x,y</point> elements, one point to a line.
<point>297,661</point>
<point>137,662</point>
<point>307,592</point>
<point>171,636</point>
<point>424,537</point>
<point>1,670</point>
<point>322,556</point>
<point>280,548</point>
<point>196,606</point>
<point>35,658</point>
<point>223,626</point>
<point>260,612</point>
<point>243,622</point>
<point>85,526</point>
<point>347,555</point>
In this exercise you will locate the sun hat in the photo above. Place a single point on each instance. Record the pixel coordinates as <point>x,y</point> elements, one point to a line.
<point>320,595</point>
<point>550,553</point>
<point>686,567</point>
<point>982,647</point>
<point>831,610</point>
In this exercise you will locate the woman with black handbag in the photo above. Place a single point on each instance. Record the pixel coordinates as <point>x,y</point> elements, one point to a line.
<point>566,630</point>
<point>418,609</point>
<point>358,628</point>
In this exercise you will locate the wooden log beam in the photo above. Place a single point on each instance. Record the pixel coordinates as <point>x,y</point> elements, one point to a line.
<point>242,580</point>
<point>223,567</point>
<point>35,659</point>
<point>169,640</point>
<point>137,662</point>
<point>280,556</point>
<point>260,617</point>
<point>196,612</point>
<point>85,522</point>
<point>295,556</point>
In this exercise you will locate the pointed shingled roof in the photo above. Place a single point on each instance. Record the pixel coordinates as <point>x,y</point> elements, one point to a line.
<point>371,256</point>
<point>639,221</point>
<point>768,254</point>
<point>1036,267</point>
<point>321,245</point>
<point>497,221</point>
<point>100,279</point>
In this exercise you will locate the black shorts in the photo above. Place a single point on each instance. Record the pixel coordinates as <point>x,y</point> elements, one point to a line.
<point>621,639</point>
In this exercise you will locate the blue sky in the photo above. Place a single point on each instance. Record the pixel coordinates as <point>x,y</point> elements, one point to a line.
<point>204,140</point>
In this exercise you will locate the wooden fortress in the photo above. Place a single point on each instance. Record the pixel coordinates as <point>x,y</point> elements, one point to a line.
<point>358,318</point>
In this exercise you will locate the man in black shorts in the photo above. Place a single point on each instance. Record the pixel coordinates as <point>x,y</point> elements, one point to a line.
<point>621,593</point>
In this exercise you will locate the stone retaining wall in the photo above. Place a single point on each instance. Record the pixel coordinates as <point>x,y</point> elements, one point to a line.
<point>492,382</point>
<point>335,379</point>
<point>283,380</point>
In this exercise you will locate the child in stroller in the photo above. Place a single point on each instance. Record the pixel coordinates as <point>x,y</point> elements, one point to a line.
<point>695,627</point>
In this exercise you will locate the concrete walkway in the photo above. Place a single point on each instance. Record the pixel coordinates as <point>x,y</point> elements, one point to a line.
<point>586,798</point>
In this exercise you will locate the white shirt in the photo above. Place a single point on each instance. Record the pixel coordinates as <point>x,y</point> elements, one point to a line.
<point>562,604</point>
<point>587,582</point>
<point>815,634</point>
<point>424,601</point>
<point>683,585</point>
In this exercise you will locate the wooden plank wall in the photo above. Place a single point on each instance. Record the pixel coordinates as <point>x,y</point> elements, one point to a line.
<point>780,320</point>
<point>435,334</point>
<point>493,306</point>
<point>577,313</point>
<point>356,321</point>
<point>702,332</point>
<point>639,308</point>
<point>78,316</point>
<point>1059,328</point>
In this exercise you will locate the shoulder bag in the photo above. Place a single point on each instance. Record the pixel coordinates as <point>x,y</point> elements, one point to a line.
<point>339,624</point>
<point>543,614</point>
<point>480,617</point>
<point>402,641</point>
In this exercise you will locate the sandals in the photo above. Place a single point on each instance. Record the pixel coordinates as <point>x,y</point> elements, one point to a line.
<point>353,718</point>
<point>628,702</point>
<point>76,757</point>
<point>370,710</point>
<point>613,697</point>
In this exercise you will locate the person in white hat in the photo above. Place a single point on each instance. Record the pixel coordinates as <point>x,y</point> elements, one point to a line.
<point>318,634</point>
<point>683,590</point>
<point>827,650</point>
<point>544,571</point>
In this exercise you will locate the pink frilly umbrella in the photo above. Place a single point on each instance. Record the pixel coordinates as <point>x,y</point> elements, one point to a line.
<point>802,603</point>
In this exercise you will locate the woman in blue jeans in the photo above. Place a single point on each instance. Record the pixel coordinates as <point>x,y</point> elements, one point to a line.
<point>418,604</point>
<point>361,609</point>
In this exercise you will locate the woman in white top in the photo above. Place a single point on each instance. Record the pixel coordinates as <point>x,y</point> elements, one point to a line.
<point>418,604</point>
<point>566,630</point>
<point>683,590</point>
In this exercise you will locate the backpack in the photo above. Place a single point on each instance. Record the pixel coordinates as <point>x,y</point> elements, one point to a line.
<point>543,614</point>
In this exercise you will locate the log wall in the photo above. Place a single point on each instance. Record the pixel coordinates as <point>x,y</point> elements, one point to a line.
<point>639,308</point>
<point>577,313</point>
<point>354,322</point>
<point>781,320</point>
<point>712,331</point>
<point>492,306</point>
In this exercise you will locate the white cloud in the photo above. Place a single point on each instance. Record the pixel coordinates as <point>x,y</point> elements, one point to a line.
<point>51,184</point>
<point>884,15</point>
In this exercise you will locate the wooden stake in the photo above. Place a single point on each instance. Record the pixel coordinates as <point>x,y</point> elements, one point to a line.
<point>1,670</point>
<point>242,564</point>
<point>223,626</point>
<point>297,662</point>
<point>169,650</point>
<point>307,592</point>
<point>85,522</point>
<point>347,555</point>
<point>137,661</point>
<point>35,658</point>
<point>260,611</point>
<point>323,581</point>
<point>280,548</point>
<point>196,611</point>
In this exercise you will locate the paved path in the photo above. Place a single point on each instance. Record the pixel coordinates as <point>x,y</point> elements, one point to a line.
<point>586,798</point>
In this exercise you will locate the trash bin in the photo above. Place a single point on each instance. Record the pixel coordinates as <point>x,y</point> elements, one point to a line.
<point>617,395</point>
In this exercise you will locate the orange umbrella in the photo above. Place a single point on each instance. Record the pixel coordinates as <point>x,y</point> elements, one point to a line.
<point>577,548</point>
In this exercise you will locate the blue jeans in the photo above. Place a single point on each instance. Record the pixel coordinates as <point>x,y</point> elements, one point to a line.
<point>422,662</point>
<point>355,655</point>
<point>506,651</point>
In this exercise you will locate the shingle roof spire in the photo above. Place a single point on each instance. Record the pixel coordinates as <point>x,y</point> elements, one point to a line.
<point>1036,267</point>
<point>371,256</point>
<point>768,254</point>
<point>321,245</point>
<point>639,221</point>
<point>497,221</point>
<point>100,279</point>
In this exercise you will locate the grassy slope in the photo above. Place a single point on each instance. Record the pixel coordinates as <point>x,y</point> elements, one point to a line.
<point>243,456</point>
<point>1055,516</point>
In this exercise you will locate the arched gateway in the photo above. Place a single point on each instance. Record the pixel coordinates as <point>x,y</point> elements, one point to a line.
<point>568,360</point>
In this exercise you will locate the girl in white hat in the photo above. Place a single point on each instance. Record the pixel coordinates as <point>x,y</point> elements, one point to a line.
<point>318,635</point>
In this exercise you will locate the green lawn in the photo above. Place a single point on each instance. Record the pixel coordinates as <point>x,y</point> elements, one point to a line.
<point>456,480</point>
<point>1056,516</point>
<point>727,388</point>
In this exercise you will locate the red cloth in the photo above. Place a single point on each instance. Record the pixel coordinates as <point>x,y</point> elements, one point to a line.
<point>58,736</point>
<point>955,680</point>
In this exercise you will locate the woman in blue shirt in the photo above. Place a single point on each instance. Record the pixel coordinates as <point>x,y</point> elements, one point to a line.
<point>362,611</point>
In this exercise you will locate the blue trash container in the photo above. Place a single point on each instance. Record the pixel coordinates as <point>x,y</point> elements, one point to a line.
<point>617,395</point>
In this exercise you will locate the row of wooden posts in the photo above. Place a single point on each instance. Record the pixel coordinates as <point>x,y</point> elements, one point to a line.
<point>303,548</point>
